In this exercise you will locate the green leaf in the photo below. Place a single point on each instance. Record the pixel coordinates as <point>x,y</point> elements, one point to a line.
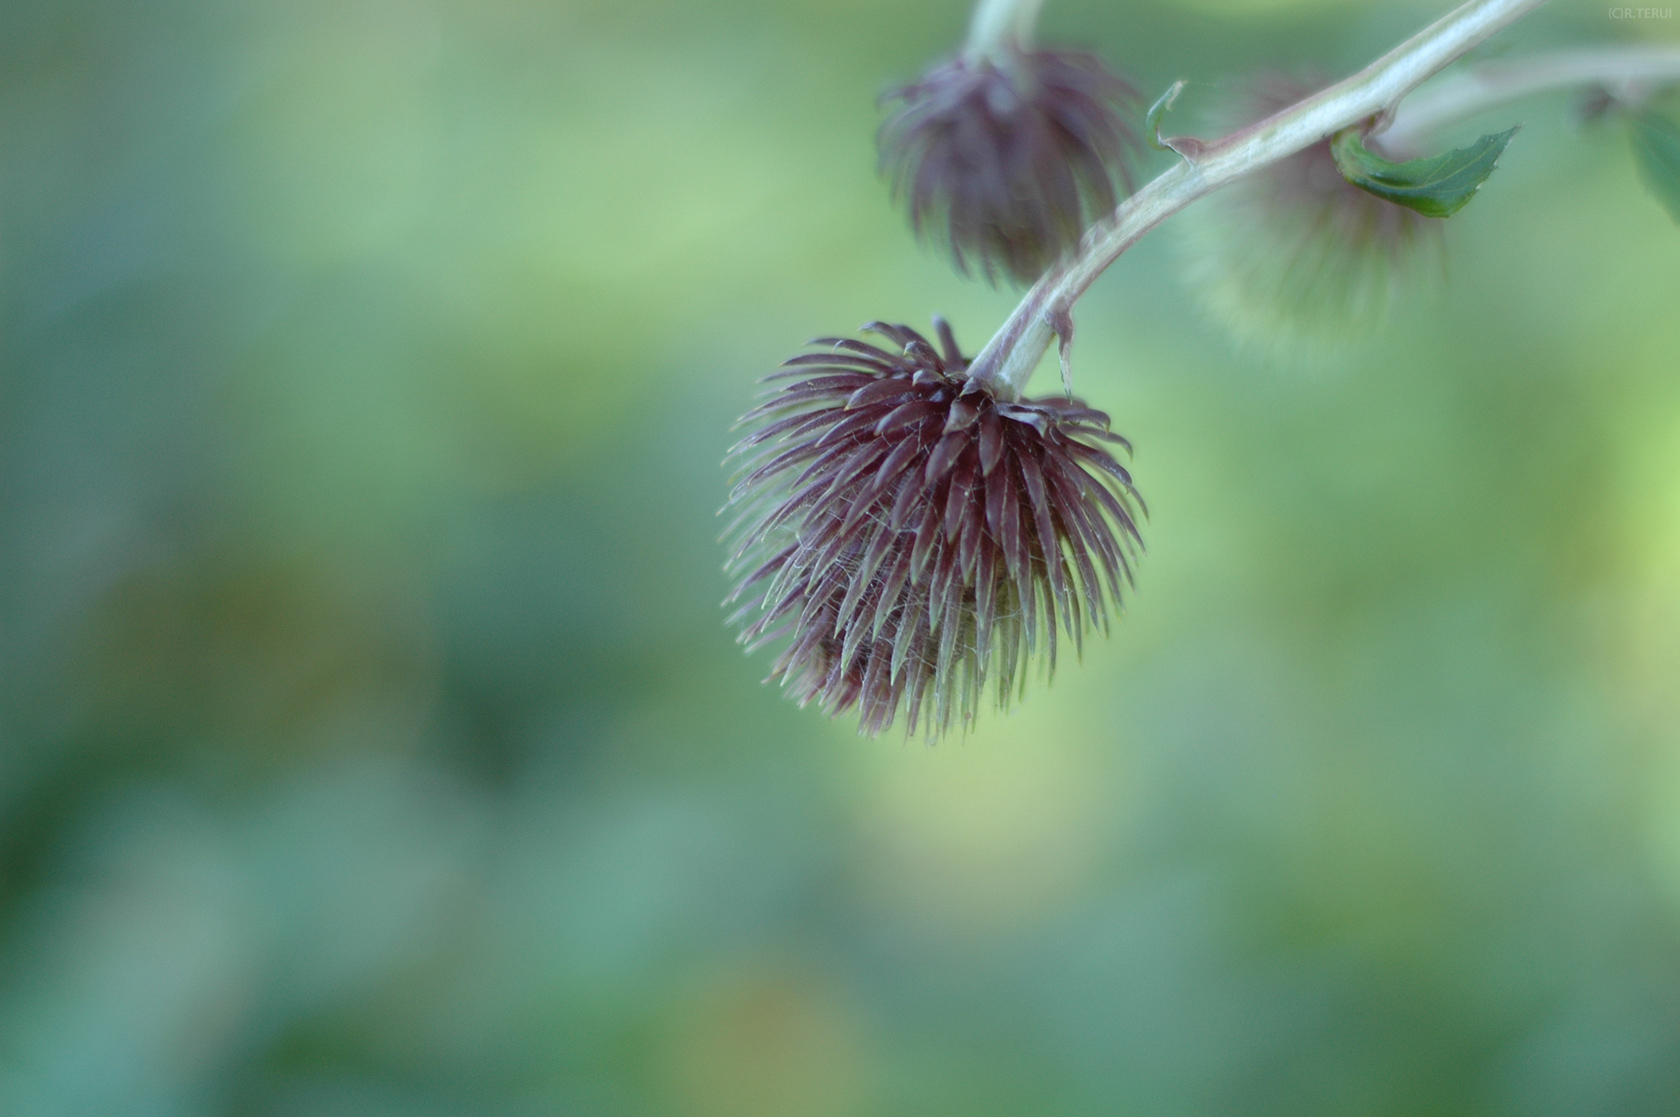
<point>1657,143</point>
<point>1438,186</point>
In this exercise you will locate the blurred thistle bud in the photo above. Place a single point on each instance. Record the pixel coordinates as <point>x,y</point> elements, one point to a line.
<point>1294,256</point>
<point>1592,105</point>
<point>1006,154</point>
<point>913,536</point>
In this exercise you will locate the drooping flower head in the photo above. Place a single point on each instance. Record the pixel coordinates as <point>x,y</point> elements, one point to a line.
<point>1295,257</point>
<point>915,538</point>
<point>1008,155</point>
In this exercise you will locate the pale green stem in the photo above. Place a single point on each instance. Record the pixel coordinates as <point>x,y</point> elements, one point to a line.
<point>1012,354</point>
<point>999,24</point>
<point>1626,71</point>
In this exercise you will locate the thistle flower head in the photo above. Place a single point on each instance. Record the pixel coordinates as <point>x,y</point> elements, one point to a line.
<point>1294,256</point>
<point>913,537</point>
<point>1008,155</point>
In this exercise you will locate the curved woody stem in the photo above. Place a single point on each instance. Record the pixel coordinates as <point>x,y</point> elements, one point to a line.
<point>1012,354</point>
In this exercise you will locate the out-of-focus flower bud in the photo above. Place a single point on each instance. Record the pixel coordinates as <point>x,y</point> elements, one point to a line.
<point>1008,155</point>
<point>1294,256</point>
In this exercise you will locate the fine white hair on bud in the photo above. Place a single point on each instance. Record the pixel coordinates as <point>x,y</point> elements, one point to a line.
<point>916,540</point>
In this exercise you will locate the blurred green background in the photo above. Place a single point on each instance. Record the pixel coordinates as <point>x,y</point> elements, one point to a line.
<point>370,741</point>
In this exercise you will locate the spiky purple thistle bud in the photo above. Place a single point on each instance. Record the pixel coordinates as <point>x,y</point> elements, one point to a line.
<point>914,537</point>
<point>1008,155</point>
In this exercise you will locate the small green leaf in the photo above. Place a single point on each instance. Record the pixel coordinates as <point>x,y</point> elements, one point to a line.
<point>1438,186</point>
<point>1657,143</point>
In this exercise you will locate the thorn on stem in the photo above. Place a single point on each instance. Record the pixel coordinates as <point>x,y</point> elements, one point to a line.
<point>1187,146</point>
<point>1060,322</point>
